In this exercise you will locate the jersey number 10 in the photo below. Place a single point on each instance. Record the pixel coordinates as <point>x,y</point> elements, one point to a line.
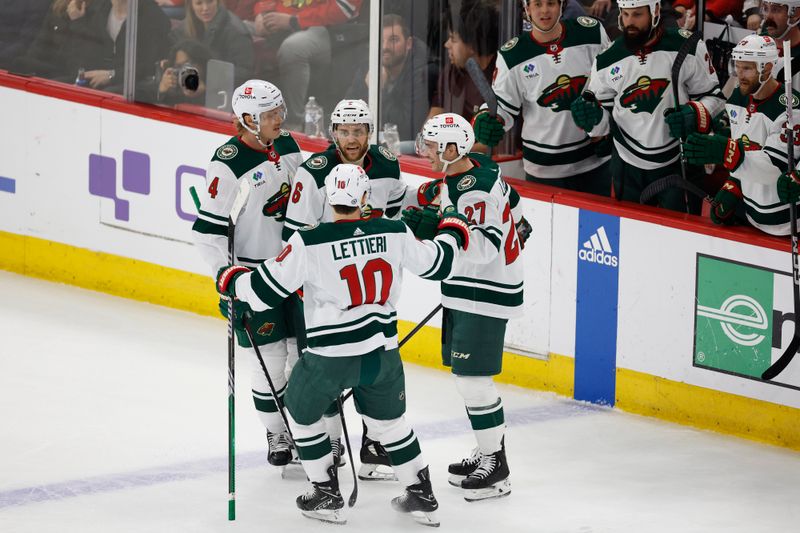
<point>366,293</point>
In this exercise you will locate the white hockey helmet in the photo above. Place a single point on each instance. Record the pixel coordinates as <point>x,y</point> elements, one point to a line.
<point>760,49</point>
<point>254,97</point>
<point>346,185</point>
<point>631,4</point>
<point>444,129</point>
<point>351,112</point>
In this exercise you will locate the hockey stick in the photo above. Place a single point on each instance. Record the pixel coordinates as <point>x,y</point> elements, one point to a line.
<point>482,84</point>
<point>676,75</point>
<point>236,208</point>
<point>673,180</point>
<point>278,402</point>
<point>787,356</point>
<point>353,495</point>
<point>406,338</point>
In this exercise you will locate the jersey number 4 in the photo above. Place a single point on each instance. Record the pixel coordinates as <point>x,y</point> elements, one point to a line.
<point>365,292</point>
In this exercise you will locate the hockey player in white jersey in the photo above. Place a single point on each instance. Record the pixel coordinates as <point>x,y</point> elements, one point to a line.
<point>267,156</point>
<point>781,19</point>
<point>632,87</point>
<point>484,291</point>
<point>351,271</point>
<point>539,74</point>
<point>754,150</point>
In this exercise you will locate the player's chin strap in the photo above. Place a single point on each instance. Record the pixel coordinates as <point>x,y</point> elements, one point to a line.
<point>446,163</point>
<point>257,133</point>
<point>789,25</point>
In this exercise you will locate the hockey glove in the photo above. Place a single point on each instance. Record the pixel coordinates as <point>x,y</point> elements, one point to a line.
<point>226,279</point>
<point>725,202</point>
<point>456,225</point>
<point>488,129</point>
<point>524,230</point>
<point>428,192</point>
<point>789,187</point>
<point>586,114</point>
<point>422,222</point>
<point>239,310</point>
<point>689,118</point>
<point>603,146</point>
<point>716,149</point>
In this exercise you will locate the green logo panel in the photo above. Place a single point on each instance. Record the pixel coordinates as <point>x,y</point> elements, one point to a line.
<point>733,317</point>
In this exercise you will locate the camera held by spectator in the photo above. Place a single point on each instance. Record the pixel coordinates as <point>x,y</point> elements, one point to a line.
<point>181,78</point>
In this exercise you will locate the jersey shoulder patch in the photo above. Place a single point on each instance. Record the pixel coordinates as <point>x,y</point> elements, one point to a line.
<point>385,152</point>
<point>477,179</point>
<point>238,157</point>
<point>509,44</point>
<point>384,163</point>
<point>227,151</point>
<point>523,50</point>
<point>586,22</point>
<point>285,144</point>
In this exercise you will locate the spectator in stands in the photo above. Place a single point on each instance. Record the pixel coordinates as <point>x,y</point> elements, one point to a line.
<point>183,78</point>
<point>298,31</point>
<point>172,8</point>
<point>403,79</point>
<point>209,22</point>
<point>716,10</point>
<point>52,54</point>
<point>472,33</point>
<point>19,25</point>
<point>751,14</point>
<point>103,41</point>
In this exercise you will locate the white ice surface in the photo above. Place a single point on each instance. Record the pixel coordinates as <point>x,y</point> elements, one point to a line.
<point>113,417</point>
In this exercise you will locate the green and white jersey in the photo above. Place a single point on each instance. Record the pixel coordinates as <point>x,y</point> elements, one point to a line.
<point>487,280</point>
<point>258,229</point>
<point>351,273</point>
<point>309,204</point>
<point>540,81</point>
<point>760,125</point>
<point>777,72</point>
<point>636,89</point>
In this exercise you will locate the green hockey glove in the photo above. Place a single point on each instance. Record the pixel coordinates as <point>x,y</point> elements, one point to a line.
<point>586,114</point>
<point>422,222</point>
<point>226,279</point>
<point>456,225</point>
<point>701,149</point>
<point>725,202</point>
<point>789,187</point>
<point>428,192</point>
<point>239,310</point>
<point>488,129</point>
<point>689,118</point>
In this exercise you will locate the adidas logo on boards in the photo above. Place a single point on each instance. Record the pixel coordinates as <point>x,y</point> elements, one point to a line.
<point>358,232</point>
<point>598,250</point>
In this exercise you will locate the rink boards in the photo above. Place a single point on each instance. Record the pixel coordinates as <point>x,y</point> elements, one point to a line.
<point>654,313</point>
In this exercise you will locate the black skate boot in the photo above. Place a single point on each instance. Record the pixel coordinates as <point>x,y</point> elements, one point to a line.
<point>418,500</point>
<point>459,471</point>
<point>280,448</point>
<point>489,479</point>
<point>324,502</point>
<point>337,448</point>
<point>375,464</point>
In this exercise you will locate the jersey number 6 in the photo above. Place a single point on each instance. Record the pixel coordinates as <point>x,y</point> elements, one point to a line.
<point>367,294</point>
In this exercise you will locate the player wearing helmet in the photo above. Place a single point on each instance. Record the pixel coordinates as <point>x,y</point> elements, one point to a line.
<point>754,148</point>
<point>780,20</point>
<point>484,292</point>
<point>539,74</point>
<point>631,83</point>
<point>267,156</point>
<point>351,271</point>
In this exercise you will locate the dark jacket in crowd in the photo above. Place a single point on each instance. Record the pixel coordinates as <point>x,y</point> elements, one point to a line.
<point>53,54</point>
<point>19,24</point>
<point>228,39</point>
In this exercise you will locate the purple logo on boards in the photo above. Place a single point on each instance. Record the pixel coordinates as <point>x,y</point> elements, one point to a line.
<point>135,178</point>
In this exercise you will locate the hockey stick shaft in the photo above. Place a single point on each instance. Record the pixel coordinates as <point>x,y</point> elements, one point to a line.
<point>482,84</point>
<point>783,361</point>
<point>353,495</point>
<point>273,391</point>
<point>407,337</point>
<point>676,79</point>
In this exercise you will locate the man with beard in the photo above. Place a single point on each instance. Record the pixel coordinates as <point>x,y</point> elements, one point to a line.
<point>539,74</point>
<point>631,84</point>
<point>350,127</point>
<point>780,19</point>
<point>754,148</point>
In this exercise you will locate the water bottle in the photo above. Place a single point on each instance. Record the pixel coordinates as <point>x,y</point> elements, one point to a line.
<point>81,80</point>
<point>391,137</point>
<point>314,118</point>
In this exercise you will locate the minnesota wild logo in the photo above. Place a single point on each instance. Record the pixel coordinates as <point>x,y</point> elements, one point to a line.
<point>559,95</point>
<point>367,212</point>
<point>644,95</point>
<point>748,144</point>
<point>276,205</point>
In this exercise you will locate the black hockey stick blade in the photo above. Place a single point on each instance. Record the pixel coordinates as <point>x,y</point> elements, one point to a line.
<point>673,180</point>
<point>482,84</point>
<point>783,361</point>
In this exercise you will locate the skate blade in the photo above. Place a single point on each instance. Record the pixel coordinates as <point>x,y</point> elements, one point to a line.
<point>376,473</point>
<point>498,490</point>
<point>426,519</point>
<point>335,516</point>
<point>456,480</point>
